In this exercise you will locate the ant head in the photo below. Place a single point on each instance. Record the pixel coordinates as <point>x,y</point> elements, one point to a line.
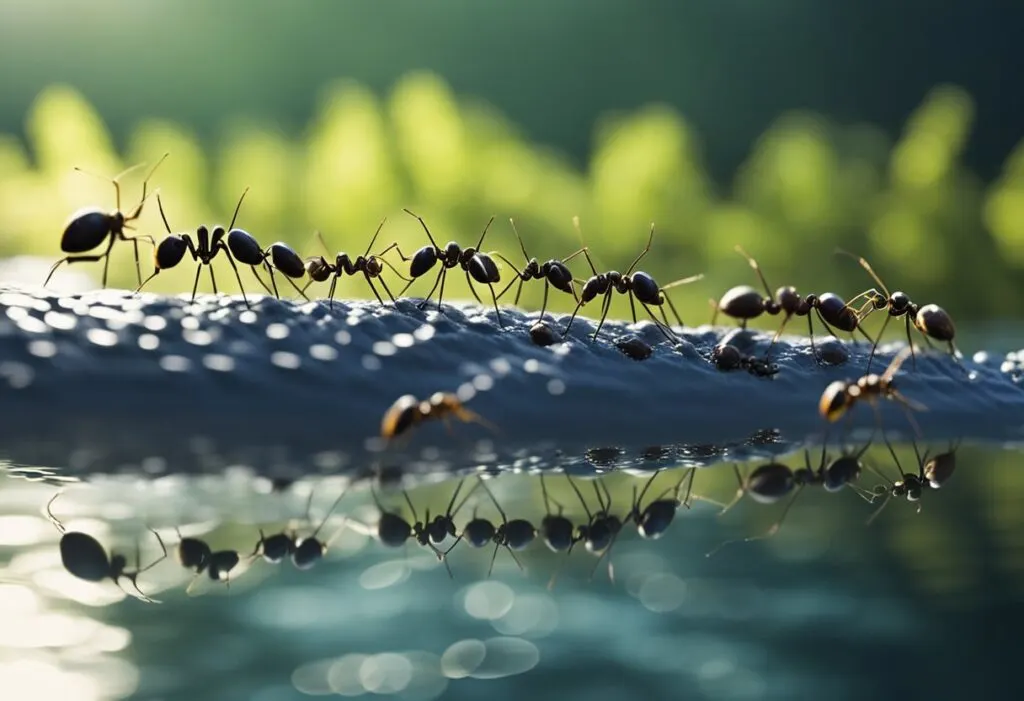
<point>803,476</point>
<point>371,265</point>
<point>878,300</point>
<point>452,252</point>
<point>727,357</point>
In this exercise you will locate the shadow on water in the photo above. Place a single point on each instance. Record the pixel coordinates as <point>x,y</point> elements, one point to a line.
<point>917,605</point>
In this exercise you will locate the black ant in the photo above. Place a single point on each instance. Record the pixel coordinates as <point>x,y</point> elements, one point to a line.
<point>196,556</point>
<point>932,473</point>
<point>394,531</point>
<point>841,395</point>
<point>407,412</point>
<point>931,320</point>
<point>745,303</point>
<point>515,535</point>
<point>771,482</point>
<point>557,531</point>
<point>654,519</point>
<point>554,273</point>
<point>84,557</point>
<point>602,527</point>
<point>89,227</point>
<point>477,265</point>
<point>319,269</point>
<point>727,357</point>
<point>639,284</point>
<point>304,552</point>
<point>240,244</point>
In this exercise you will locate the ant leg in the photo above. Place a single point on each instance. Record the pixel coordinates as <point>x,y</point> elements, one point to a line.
<point>440,293</point>
<point>106,262</point>
<point>256,274</point>
<point>494,298</point>
<point>714,314</point>
<point>238,277</point>
<point>910,343</point>
<point>572,318</point>
<point>195,285</point>
<point>665,329</point>
<point>544,304</point>
<point>146,281</point>
<point>632,306</point>
<point>472,288</point>
<point>138,267</point>
<point>296,287</point>
<point>604,312</point>
<point>49,512</point>
<point>878,339</point>
<point>739,492</point>
<point>767,534</point>
<point>369,281</point>
<point>273,280</point>
<point>426,299</point>
<point>390,296</point>
<point>213,280</point>
<point>330,292</point>
<point>672,306</point>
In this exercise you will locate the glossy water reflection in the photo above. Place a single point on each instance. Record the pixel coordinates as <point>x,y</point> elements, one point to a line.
<point>828,607</point>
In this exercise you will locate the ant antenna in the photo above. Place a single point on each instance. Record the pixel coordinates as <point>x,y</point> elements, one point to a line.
<point>237,207</point>
<point>372,241</point>
<point>756,267</point>
<point>650,240</point>
<point>423,224</point>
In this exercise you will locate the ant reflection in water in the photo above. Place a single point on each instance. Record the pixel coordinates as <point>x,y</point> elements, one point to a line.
<point>304,552</point>
<point>515,535</point>
<point>195,555</point>
<point>772,482</point>
<point>83,557</point>
<point>932,473</point>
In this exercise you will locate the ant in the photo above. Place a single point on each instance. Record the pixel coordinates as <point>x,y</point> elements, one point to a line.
<point>654,519</point>
<point>394,531</point>
<point>515,535</point>
<point>727,357</point>
<point>477,265</point>
<point>196,555</point>
<point>556,530</point>
<point>240,244</point>
<point>639,285</point>
<point>407,411</point>
<point>745,303</point>
<point>932,473</point>
<point>554,273</point>
<point>602,527</point>
<point>304,552</point>
<point>841,395</point>
<point>319,269</point>
<point>771,482</point>
<point>89,227</point>
<point>931,320</point>
<point>84,557</point>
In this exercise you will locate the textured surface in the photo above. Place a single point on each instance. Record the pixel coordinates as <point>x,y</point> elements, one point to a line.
<point>108,381</point>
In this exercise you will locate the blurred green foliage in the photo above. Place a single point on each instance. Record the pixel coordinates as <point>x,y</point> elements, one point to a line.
<point>927,224</point>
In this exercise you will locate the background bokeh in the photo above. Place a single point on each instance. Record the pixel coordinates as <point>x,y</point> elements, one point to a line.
<point>788,127</point>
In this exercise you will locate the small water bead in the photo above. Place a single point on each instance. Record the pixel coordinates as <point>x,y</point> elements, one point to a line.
<point>219,362</point>
<point>403,340</point>
<point>101,337</point>
<point>175,363</point>
<point>371,362</point>
<point>148,341</point>
<point>324,352</point>
<point>42,348</point>
<point>285,359</point>
<point>32,324</point>
<point>60,321</point>
<point>384,348</point>
<point>277,331</point>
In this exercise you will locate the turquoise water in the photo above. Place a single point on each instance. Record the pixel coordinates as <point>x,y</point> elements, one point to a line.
<point>916,605</point>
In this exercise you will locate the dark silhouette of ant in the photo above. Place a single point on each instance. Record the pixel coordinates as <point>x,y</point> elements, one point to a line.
<point>477,265</point>
<point>632,284</point>
<point>727,357</point>
<point>840,396</point>
<point>771,482</point>
<point>654,519</point>
<point>515,535</point>
<point>407,412</point>
<point>931,320</point>
<point>554,273</point>
<point>319,268</point>
<point>90,226</point>
<point>602,528</point>
<point>195,555</point>
<point>240,244</point>
<point>83,557</point>
<point>393,531</point>
<point>557,531</point>
<point>932,473</point>
<point>745,303</point>
<point>304,552</point>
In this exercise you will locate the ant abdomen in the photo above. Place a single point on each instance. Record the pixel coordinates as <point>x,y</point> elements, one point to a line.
<point>479,532</point>
<point>87,229</point>
<point>393,530</point>
<point>244,247</point>
<point>769,483</point>
<point>519,533</point>
<point>656,518</point>
<point>483,269</point>
<point>170,251</point>
<point>836,313</point>
<point>286,260</point>
<point>318,269</point>
<point>742,302</point>
<point>422,261</point>
<point>558,533</point>
<point>841,473</point>
<point>935,322</point>
<point>307,553</point>
<point>645,288</point>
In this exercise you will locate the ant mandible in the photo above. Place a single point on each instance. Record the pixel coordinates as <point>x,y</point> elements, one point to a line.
<point>554,273</point>
<point>90,226</point>
<point>931,320</point>
<point>639,284</point>
<point>240,244</point>
<point>477,265</point>
<point>84,557</point>
<point>319,269</point>
<point>841,395</point>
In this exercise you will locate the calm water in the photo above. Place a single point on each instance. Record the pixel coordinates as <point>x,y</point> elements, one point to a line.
<point>916,605</point>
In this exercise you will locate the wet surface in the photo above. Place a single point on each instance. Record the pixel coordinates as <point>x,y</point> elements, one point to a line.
<point>108,381</point>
